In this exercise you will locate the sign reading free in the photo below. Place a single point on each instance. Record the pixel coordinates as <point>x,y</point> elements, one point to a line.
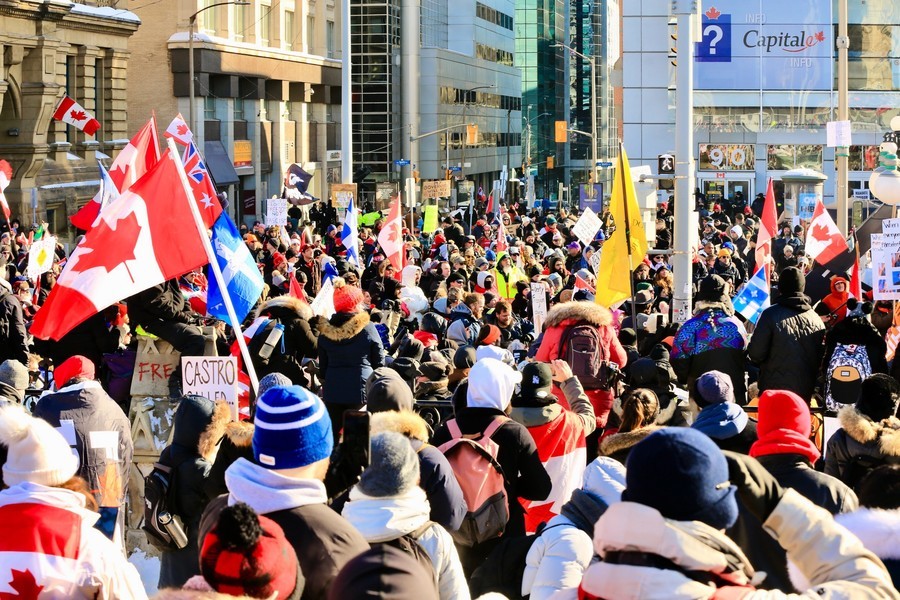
<point>765,45</point>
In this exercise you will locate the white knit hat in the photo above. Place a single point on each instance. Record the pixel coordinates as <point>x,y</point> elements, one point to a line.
<point>37,452</point>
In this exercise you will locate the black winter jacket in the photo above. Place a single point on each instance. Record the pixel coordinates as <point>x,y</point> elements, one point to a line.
<point>92,339</point>
<point>349,350</point>
<point>163,302</point>
<point>299,341</point>
<point>860,445</point>
<point>13,337</point>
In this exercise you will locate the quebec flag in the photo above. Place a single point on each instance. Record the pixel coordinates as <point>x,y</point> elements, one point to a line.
<point>754,297</point>
<point>350,236</point>
<point>239,270</point>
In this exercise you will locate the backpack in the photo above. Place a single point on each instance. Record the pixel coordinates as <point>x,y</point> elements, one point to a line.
<point>848,367</point>
<point>473,460</point>
<point>409,544</point>
<point>582,347</point>
<point>163,528</point>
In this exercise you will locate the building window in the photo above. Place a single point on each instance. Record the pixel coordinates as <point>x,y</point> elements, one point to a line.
<point>311,34</point>
<point>265,15</point>
<point>238,109</point>
<point>289,35</point>
<point>100,92</point>
<point>329,38</point>
<point>209,109</point>
<point>240,22</point>
<point>208,17</point>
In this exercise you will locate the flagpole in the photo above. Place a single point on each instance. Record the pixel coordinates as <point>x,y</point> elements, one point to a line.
<point>214,265</point>
<point>628,238</point>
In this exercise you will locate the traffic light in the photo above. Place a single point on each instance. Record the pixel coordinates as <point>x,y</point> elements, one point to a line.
<point>416,175</point>
<point>471,135</point>
<point>561,134</point>
<point>550,159</point>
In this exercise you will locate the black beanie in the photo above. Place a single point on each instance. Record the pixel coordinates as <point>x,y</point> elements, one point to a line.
<point>878,396</point>
<point>791,282</point>
<point>627,336</point>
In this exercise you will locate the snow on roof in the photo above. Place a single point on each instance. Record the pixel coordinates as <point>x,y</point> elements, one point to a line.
<point>106,12</point>
<point>70,184</point>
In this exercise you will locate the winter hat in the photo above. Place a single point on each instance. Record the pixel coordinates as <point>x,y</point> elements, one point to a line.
<point>246,554</point>
<point>627,336</point>
<point>681,473</point>
<point>272,380</point>
<point>714,387</point>
<point>412,348</point>
<point>737,231</point>
<point>291,429</point>
<point>784,426</point>
<point>791,282</point>
<point>15,375</point>
<point>537,386</point>
<point>643,298</point>
<point>464,357</point>
<point>604,478</point>
<point>72,367</point>
<point>491,384</point>
<point>435,370</point>
<point>489,334</point>
<point>384,572</point>
<point>496,352</point>
<point>393,466</point>
<point>712,289</point>
<point>386,390</point>
<point>36,452</point>
<point>878,396</point>
<point>426,338</point>
<point>347,299</point>
<point>481,262</point>
<point>573,246</point>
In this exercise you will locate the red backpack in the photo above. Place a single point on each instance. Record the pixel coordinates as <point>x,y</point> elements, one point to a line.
<point>473,459</point>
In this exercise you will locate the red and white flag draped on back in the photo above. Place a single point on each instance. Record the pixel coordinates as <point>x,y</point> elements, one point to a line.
<point>767,231</point>
<point>139,241</point>
<point>390,238</point>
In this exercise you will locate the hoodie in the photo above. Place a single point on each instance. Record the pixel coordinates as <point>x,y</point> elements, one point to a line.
<point>412,295</point>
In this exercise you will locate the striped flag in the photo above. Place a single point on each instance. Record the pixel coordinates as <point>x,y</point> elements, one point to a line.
<point>350,236</point>
<point>754,297</point>
<point>6,175</point>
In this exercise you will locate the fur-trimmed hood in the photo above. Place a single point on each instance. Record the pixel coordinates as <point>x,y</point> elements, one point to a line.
<point>339,330</point>
<point>622,441</point>
<point>213,433</point>
<point>240,433</point>
<point>665,413</point>
<point>865,431</point>
<point>286,302</point>
<point>405,422</point>
<point>879,530</point>
<point>578,311</point>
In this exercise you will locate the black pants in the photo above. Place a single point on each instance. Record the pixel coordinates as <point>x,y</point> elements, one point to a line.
<point>336,413</point>
<point>187,339</point>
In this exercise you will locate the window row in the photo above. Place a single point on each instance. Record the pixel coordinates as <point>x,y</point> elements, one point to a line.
<point>492,15</point>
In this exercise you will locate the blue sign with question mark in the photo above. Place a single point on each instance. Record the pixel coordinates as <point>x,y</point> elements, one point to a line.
<point>716,43</point>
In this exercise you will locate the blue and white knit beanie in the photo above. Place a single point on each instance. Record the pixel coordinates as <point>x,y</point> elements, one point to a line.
<point>291,429</point>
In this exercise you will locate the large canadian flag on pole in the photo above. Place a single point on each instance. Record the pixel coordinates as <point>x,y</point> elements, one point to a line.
<point>390,238</point>
<point>768,228</point>
<point>135,159</point>
<point>823,238</point>
<point>137,242</point>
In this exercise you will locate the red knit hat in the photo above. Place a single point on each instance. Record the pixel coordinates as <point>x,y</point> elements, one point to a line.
<point>347,299</point>
<point>246,554</point>
<point>72,367</point>
<point>784,426</point>
<point>489,334</point>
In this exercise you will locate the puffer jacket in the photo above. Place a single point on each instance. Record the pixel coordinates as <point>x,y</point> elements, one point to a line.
<point>298,341</point>
<point>349,350</point>
<point>448,506</point>
<point>198,426</point>
<point>860,445</point>
<point>85,563</point>
<point>835,562</point>
<point>388,518</point>
<point>567,315</point>
<point>412,295</point>
<point>788,345</point>
<point>564,549</point>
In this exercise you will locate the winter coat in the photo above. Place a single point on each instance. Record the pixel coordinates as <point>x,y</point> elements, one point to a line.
<point>237,443</point>
<point>787,346</point>
<point>388,518</point>
<point>564,549</point>
<point>618,445</point>
<point>506,283</point>
<point>98,430</point>
<point>383,288</point>
<point>860,445</point>
<point>199,425</point>
<point>728,426</point>
<point>448,506</point>
<point>298,340</point>
<point>836,562</point>
<point>857,331</point>
<point>91,339</point>
<point>323,540</point>
<point>13,337</point>
<point>412,295</point>
<point>525,476</point>
<point>712,340</point>
<point>879,531</point>
<point>158,304</point>
<point>464,327</point>
<point>349,350</point>
<point>560,438</point>
<point>566,315</point>
<point>39,521</point>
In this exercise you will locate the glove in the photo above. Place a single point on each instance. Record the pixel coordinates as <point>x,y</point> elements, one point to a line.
<point>758,490</point>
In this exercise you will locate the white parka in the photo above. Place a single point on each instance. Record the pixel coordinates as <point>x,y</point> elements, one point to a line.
<point>412,295</point>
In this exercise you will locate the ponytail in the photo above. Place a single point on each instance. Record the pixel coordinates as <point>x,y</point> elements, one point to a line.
<point>640,407</point>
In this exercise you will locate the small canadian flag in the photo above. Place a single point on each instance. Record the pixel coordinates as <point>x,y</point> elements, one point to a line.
<point>69,111</point>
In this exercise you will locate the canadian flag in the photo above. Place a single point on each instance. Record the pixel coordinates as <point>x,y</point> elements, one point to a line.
<point>136,243</point>
<point>135,159</point>
<point>179,131</point>
<point>767,231</point>
<point>390,238</point>
<point>502,245</point>
<point>823,238</point>
<point>69,111</point>
<point>6,175</point>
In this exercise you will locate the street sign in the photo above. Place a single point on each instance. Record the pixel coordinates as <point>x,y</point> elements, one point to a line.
<point>604,164</point>
<point>401,162</point>
<point>456,169</point>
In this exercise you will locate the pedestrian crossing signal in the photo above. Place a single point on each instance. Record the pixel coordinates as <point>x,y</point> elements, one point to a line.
<point>561,133</point>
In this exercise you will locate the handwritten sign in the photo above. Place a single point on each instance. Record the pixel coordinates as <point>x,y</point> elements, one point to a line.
<point>155,362</point>
<point>439,188</point>
<point>587,226</point>
<point>276,211</point>
<point>341,195</point>
<point>213,377</point>
<point>538,305</point>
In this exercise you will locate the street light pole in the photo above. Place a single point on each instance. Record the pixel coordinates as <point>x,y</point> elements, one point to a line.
<point>592,63</point>
<point>842,159</point>
<point>193,20</point>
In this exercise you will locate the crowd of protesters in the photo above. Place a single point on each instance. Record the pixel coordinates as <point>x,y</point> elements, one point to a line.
<point>433,435</point>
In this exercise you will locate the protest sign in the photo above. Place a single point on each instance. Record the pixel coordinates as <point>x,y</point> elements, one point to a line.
<point>213,377</point>
<point>276,211</point>
<point>587,226</point>
<point>431,219</point>
<point>539,304</point>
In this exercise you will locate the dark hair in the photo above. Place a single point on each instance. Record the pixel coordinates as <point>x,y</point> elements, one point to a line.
<point>472,298</point>
<point>502,306</point>
<point>640,408</point>
<point>880,488</point>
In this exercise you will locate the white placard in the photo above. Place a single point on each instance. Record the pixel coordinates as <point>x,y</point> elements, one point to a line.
<point>538,305</point>
<point>837,134</point>
<point>587,226</point>
<point>886,264</point>
<point>890,226</point>
<point>595,261</point>
<point>862,194</point>
<point>213,377</point>
<point>276,211</point>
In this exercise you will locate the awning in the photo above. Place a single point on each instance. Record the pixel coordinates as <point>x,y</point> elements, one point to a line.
<point>221,169</point>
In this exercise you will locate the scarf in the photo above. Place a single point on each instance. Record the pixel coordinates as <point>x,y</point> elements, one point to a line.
<point>584,510</point>
<point>785,441</point>
<point>721,421</point>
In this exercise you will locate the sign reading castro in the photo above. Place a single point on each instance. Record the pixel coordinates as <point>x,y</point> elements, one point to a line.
<point>767,45</point>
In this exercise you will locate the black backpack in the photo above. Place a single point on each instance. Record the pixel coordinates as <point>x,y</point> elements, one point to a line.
<point>504,568</point>
<point>409,544</point>
<point>162,526</point>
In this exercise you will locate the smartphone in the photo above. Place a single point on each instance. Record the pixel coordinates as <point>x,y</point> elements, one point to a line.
<point>356,436</point>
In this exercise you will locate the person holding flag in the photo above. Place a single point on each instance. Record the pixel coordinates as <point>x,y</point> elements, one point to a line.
<point>350,236</point>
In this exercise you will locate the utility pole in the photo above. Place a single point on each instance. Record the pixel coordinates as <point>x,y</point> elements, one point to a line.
<point>508,166</point>
<point>842,190</point>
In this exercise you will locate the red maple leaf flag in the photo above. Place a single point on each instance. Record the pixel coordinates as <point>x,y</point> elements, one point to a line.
<point>179,131</point>
<point>823,238</point>
<point>6,175</point>
<point>767,231</point>
<point>135,159</point>
<point>138,241</point>
<point>713,14</point>
<point>69,111</point>
<point>390,238</point>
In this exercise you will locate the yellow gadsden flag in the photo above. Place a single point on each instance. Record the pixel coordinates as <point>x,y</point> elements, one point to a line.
<point>614,274</point>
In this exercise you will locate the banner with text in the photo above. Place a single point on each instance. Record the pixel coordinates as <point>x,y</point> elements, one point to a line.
<point>213,377</point>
